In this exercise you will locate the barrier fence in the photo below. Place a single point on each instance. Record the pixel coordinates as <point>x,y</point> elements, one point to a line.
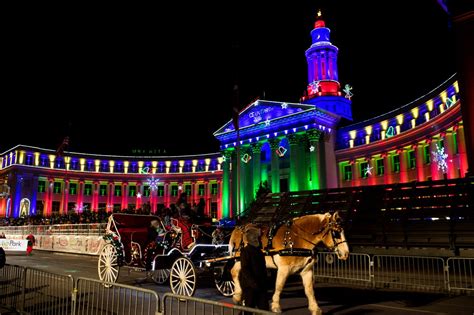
<point>414,273</point>
<point>33,291</point>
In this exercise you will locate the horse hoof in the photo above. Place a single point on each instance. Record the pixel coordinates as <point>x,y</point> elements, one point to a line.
<point>318,311</point>
<point>276,308</point>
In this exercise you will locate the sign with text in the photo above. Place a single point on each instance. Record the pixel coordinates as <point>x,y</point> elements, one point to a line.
<point>16,245</point>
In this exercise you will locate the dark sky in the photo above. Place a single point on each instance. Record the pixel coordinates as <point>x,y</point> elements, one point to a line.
<point>122,78</point>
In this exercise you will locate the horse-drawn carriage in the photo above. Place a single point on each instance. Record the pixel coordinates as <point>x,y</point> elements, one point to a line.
<point>128,244</point>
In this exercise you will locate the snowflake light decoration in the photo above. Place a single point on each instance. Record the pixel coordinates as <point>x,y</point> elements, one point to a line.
<point>440,157</point>
<point>314,86</point>
<point>153,183</point>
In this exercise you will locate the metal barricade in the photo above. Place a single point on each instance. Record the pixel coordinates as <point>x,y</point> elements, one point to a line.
<point>47,293</point>
<point>96,297</point>
<point>174,304</point>
<point>460,273</point>
<point>354,270</point>
<point>12,284</point>
<point>409,272</point>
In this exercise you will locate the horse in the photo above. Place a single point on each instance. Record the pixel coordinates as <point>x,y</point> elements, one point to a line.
<point>299,236</point>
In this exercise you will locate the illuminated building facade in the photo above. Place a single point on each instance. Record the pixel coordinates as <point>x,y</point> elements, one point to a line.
<point>42,182</point>
<point>289,146</point>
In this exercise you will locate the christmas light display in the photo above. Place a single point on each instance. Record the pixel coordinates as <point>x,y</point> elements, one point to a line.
<point>368,170</point>
<point>314,87</point>
<point>145,170</point>
<point>153,183</point>
<point>390,132</point>
<point>246,158</point>
<point>284,106</point>
<point>347,89</point>
<point>312,148</point>
<point>281,151</point>
<point>440,157</point>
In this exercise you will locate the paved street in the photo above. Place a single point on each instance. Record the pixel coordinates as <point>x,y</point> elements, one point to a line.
<point>332,299</point>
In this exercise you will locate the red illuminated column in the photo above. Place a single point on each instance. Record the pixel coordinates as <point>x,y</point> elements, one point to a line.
<point>80,196</point>
<point>435,173</point>
<point>387,165</point>
<point>138,202</point>
<point>3,205</point>
<point>153,198</point>
<point>167,194</point>
<point>462,150</point>
<point>65,198</point>
<point>219,199</point>
<point>356,172</point>
<point>95,196</point>
<point>420,165</point>
<point>403,165</point>
<point>49,199</point>
<point>449,150</point>
<point>207,197</point>
<point>110,196</point>
<point>124,195</point>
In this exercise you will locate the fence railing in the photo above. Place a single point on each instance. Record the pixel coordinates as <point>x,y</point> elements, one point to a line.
<point>90,229</point>
<point>413,273</point>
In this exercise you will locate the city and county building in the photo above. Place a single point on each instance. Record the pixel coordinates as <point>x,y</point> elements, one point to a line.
<point>287,146</point>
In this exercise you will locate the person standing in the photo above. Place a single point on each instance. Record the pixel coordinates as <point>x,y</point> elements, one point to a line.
<point>31,242</point>
<point>253,272</point>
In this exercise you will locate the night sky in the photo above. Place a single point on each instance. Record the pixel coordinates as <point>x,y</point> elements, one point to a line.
<point>117,79</point>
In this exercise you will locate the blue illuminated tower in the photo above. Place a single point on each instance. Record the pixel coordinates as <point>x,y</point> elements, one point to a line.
<point>324,89</point>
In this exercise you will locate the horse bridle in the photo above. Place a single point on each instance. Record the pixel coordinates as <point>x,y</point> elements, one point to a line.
<point>333,227</point>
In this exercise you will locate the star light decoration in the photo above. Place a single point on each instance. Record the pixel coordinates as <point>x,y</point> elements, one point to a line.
<point>368,170</point>
<point>440,157</point>
<point>153,183</point>
<point>267,122</point>
<point>312,148</point>
<point>284,106</point>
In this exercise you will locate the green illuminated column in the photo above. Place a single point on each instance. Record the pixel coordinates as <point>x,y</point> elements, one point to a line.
<point>233,193</point>
<point>226,184</point>
<point>246,182</point>
<point>314,157</point>
<point>295,162</point>
<point>274,143</point>
<point>256,147</point>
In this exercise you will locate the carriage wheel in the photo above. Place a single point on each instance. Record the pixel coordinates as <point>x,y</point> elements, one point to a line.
<point>108,264</point>
<point>183,277</point>
<point>160,276</point>
<point>225,287</point>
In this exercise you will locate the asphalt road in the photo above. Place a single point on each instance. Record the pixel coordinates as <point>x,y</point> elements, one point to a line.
<point>331,298</point>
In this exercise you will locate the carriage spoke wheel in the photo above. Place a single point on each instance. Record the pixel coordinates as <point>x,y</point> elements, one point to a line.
<point>160,276</point>
<point>108,264</point>
<point>225,287</point>
<point>183,277</point>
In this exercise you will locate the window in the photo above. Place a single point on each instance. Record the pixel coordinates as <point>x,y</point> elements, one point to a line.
<point>102,190</point>
<point>380,167</point>
<point>427,154</point>
<point>174,168</point>
<point>133,168</point>
<point>57,188</point>
<point>71,206</point>
<point>89,166</point>
<point>174,190</point>
<point>87,189</point>
<point>411,159</point>
<point>363,170</point>
<point>161,191</point>
<point>118,191</point>
<point>102,206</point>
<point>29,160</point>
<point>117,207</point>
<point>396,163</point>
<point>74,165</point>
<point>146,191</point>
<point>132,191</point>
<point>104,167</point>
<point>118,168</point>
<point>348,172</point>
<point>72,188</point>
<point>214,189</point>
<point>187,168</point>
<point>41,186</point>
<point>201,190</point>
<point>161,168</point>
<point>187,190</point>
<point>44,161</point>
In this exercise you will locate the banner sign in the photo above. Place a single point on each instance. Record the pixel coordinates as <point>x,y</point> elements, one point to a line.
<point>17,245</point>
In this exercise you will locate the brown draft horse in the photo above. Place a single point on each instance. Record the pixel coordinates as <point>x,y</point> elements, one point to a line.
<point>304,233</point>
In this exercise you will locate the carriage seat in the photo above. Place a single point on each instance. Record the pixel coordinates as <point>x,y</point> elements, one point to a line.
<point>138,235</point>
